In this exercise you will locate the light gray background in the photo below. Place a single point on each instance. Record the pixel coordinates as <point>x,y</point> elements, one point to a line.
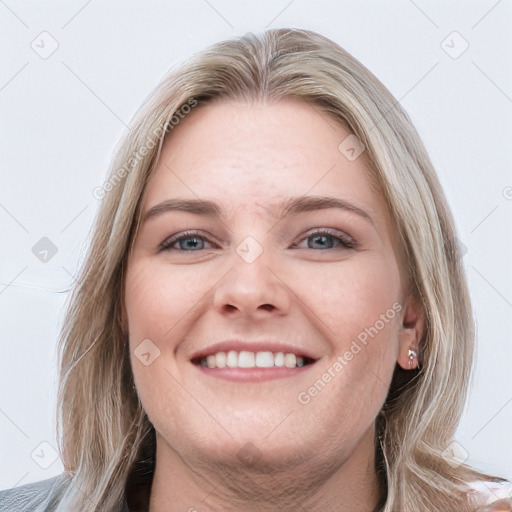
<point>61,117</point>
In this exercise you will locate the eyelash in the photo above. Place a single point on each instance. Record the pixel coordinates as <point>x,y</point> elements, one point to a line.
<point>345,241</point>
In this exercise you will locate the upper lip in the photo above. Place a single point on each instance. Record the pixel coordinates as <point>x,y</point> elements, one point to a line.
<point>253,346</point>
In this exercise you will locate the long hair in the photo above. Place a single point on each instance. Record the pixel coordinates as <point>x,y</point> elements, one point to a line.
<point>103,430</point>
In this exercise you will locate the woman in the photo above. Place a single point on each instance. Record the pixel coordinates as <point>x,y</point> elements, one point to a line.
<point>273,314</point>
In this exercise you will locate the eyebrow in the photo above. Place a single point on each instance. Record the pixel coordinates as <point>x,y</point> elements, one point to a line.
<point>291,207</point>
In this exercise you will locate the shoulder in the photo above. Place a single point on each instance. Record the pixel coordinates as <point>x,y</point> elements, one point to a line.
<point>35,497</point>
<point>492,496</point>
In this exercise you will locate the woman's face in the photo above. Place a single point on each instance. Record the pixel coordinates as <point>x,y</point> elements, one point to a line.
<point>245,274</point>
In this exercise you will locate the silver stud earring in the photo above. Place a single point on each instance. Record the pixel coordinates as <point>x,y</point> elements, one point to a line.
<point>412,357</point>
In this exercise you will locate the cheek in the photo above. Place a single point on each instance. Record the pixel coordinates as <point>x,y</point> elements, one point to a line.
<point>157,301</point>
<point>360,305</point>
<point>157,298</point>
<point>370,342</point>
<point>354,297</point>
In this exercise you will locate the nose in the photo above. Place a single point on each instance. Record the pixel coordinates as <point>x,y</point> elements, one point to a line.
<point>252,290</point>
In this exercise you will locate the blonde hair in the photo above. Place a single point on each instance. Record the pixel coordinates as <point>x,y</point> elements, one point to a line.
<point>103,430</point>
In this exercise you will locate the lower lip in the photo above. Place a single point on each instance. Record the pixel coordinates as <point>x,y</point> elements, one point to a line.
<point>253,374</point>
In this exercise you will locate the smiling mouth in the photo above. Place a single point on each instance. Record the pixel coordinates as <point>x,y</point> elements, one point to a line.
<point>247,360</point>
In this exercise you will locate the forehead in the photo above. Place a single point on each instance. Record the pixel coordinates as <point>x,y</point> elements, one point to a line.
<point>255,155</point>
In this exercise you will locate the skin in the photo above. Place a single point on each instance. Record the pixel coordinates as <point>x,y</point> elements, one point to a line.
<point>248,157</point>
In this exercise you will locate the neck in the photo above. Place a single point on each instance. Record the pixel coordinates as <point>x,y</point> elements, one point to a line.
<point>315,484</point>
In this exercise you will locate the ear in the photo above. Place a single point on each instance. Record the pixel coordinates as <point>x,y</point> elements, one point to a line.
<point>411,333</point>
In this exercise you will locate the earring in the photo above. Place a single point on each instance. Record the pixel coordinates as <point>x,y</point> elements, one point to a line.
<point>412,357</point>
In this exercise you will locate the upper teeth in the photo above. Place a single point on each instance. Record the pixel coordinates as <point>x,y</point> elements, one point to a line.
<point>244,359</point>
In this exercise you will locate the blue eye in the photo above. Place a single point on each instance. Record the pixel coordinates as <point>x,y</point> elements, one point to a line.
<point>323,241</point>
<point>187,242</point>
<point>327,239</point>
<point>320,239</point>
